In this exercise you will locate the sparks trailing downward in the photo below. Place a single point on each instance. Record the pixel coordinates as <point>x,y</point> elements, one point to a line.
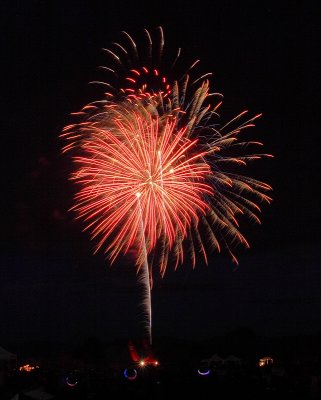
<point>152,167</point>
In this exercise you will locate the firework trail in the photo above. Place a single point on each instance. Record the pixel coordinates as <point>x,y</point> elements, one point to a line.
<point>154,170</point>
<point>145,278</point>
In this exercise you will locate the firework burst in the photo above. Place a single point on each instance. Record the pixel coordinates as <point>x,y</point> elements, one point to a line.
<point>153,167</point>
<point>155,172</point>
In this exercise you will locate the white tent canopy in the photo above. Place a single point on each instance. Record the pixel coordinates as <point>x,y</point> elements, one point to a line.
<point>39,394</point>
<point>216,359</point>
<point>34,394</point>
<point>233,359</point>
<point>8,361</point>
<point>6,355</point>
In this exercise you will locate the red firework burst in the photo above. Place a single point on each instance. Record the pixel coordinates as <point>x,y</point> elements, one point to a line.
<point>152,167</point>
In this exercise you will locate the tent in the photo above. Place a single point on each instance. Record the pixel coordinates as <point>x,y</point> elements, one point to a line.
<point>233,360</point>
<point>38,394</point>
<point>33,394</point>
<point>8,361</point>
<point>5,356</point>
<point>214,360</point>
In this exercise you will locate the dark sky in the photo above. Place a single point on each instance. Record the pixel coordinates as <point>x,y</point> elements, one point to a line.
<point>264,57</point>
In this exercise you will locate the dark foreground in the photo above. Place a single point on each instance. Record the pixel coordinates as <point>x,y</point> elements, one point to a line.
<point>158,383</point>
<point>226,367</point>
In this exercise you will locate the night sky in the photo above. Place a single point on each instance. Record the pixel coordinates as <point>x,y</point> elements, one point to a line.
<point>264,57</point>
